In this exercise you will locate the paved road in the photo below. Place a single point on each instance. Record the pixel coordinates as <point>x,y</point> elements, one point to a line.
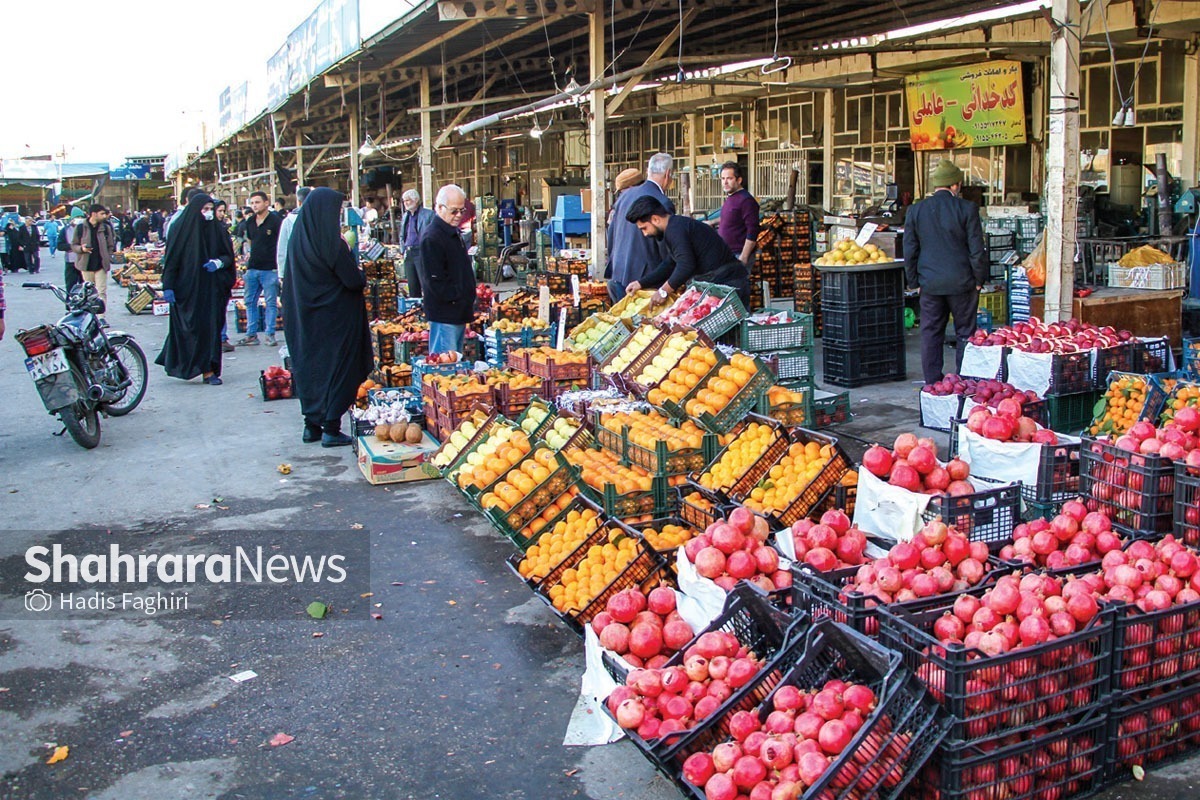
<point>463,688</point>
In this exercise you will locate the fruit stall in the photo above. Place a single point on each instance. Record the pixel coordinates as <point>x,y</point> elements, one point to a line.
<point>1008,610</point>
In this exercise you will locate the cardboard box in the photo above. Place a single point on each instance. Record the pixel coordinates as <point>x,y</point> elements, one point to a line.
<point>390,462</point>
<point>586,199</point>
<point>577,242</point>
<point>553,187</point>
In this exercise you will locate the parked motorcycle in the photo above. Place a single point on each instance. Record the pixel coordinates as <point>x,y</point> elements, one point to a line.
<point>82,371</point>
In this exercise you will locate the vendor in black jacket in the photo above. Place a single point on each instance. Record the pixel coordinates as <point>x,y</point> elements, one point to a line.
<point>446,273</point>
<point>945,260</point>
<point>694,250</point>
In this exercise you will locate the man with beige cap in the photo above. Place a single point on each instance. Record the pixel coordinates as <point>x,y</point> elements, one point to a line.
<point>945,260</point>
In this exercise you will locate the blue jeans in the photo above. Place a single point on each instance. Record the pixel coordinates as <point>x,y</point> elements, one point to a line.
<point>266,283</point>
<point>444,337</point>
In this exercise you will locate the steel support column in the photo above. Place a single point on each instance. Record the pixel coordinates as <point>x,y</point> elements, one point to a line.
<point>827,152</point>
<point>1062,161</point>
<point>355,143</point>
<point>596,128</point>
<point>1191,100</point>
<point>428,193</point>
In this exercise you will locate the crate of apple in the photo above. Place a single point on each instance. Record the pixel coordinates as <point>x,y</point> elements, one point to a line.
<point>736,549</point>
<point>913,464</point>
<point>645,630</point>
<point>1073,538</point>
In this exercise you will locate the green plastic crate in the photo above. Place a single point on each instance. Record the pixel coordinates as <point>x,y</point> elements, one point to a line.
<point>1071,413</point>
<point>758,338</point>
<point>726,315</point>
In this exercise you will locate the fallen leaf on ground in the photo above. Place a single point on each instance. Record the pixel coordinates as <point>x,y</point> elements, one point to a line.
<point>367,594</point>
<point>1138,772</point>
<point>317,634</point>
<point>356,526</point>
<point>126,734</point>
<point>280,739</point>
<point>451,603</point>
<point>317,610</point>
<point>201,505</point>
<point>570,773</point>
<point>284,469</point>
<point>60,754</point>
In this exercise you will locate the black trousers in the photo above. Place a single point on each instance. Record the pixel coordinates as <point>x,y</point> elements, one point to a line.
<point>71,275</point>
<point>33,261</point>
<point>411,274</point>
<point>936,310</point>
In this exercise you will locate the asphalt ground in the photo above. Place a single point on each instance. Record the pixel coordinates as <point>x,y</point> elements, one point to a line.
<point>461,688</point>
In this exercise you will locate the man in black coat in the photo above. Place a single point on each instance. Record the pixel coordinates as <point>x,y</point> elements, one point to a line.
<point>29,239</point>
<point>945,260</point>
<point>630,254</point>
<point>447,275</point>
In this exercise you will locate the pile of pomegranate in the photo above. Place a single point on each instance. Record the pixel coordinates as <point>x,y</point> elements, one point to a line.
<point>1176,440</point>
<point>985,391</point>
<point>1074,537</point>
<point>1008,424</point>
<point>736,550</point>
<point>832,543</point>
<point>657,702</point>
<point>1035,336</point>
<point>781,755</point>
<point>645,630</point>
<point>912,464</point>
<point>938,560</point>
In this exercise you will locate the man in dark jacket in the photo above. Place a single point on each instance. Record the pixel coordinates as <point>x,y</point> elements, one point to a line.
<point>945,260</point>
<point>414,222</point>
<point>630,254</point>
<point>29,239</point>
<point>447,277</point>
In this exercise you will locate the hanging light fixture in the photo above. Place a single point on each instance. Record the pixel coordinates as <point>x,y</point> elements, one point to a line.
<point>368,147</point>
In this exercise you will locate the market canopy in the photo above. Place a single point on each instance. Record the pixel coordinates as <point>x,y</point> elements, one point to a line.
<point>34,172</point>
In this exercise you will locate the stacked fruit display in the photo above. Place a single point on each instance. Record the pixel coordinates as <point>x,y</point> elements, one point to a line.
<point>1072,538</point>
<point>483,466</point>
<point>578,586</point>
<point>1180,397</point>
<point>848,253</point>
<point>785,481</point>
<point>781,395</point>
<point>1007,424</point>
<point>781,754</point>
<point>938,560</point>
<point>720,389</point>
<point>691,307</point>
<point>514,326</point>
<point>600,468</point>
<point>645,630</point>
<point>673,349</point>
<point>554,545</point>
<point>656,702</point>
<point>645,428</point>
<point>668,536</point>
<point>634,347</point>
<point>832,543</point>
<point>912,464</point>
<point>585,335</point>
<point>460,385</point>
<point>1035,336</point>
<point>455,444</point>
<point>514,380</point>
<point>1176,440</point>
<point>559,433</point>
<point>736,549</point>
<point>685,376</point>
<point>1123,403</point>
<point>749,445</point>
<point>984,391</point>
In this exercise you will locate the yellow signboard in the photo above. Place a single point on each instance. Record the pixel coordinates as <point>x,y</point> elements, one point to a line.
<point>975,106</point>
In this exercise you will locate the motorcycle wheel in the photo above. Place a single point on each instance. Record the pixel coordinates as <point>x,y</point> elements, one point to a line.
<point>133,361</point>
<point>83,423</point>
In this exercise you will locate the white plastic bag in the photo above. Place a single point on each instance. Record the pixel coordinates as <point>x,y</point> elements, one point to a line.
<point>982,362</point>
<point>886,510</point>
<point>589,724</point>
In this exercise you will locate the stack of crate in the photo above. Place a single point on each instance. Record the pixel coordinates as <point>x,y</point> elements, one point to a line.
<point>863,315</point>
<point>785,240</point>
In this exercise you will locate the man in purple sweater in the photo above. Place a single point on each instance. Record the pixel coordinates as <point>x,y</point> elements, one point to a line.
<point>739,214</point>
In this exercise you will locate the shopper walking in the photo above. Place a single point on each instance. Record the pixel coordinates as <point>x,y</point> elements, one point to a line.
<point>94,241</point>
<point>326,324</point>
<point>30,240</point>
<point>692,250</point>
<point>197,280</point>
<point>447,277</point>
<point>66,236</point>
<point>141,228</point>
<point>285,233</point>
<point>157,220</point>
<point>626,179</point>
<point>262,276</point>
<point>413,223</point>
<point>945,260</point>
<point>52,227</point>
<point>221,215</point>
<point>126,234</point>
<point>739,214</point>
<point>11,248</point>
<point>630,254</point>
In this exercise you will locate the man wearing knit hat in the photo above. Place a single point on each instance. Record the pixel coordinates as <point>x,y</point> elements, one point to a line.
<point>945,260</point>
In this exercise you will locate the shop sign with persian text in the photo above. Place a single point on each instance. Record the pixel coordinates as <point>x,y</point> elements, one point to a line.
<point>980,105</point>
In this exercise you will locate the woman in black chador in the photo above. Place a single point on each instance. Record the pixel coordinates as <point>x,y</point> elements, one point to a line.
<point>198,278</point>
<point>324,318</point>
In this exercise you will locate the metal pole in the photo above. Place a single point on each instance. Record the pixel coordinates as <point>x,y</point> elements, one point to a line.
<point>299,161</point>
<point>596,128</point>
<point>427,191</point>
<point>1062,161</point>
<point>355,143</point>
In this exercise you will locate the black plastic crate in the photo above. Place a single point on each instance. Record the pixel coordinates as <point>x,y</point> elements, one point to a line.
<point>1136,490</point>
<point>991,696</point>
<point>988,515</point>
<point>1154,651</point>
<point>693,512</point>
<point>763,629</point>
<point>1160,730</point>
<point>847,288</point>
<point>1070,373</point>
<point>900,735</point>
<point>1118,358</point>
<point>867,325</point>
<point>1151,355</point>
<point>1187,505</point>
<point>1066,761</point>
<point>850,366</point>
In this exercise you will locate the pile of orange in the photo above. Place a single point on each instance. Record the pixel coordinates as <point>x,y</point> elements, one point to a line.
<point>685,376</point>
<point>601,468</point>
<point>515,380</point>
<point>555,545</point>
<point>547,514</point>
<point>544,355</point>
<point>496,461</point>
<point>779,395</point>
<point>699,501</point>
<point>519,481</point>
<point>1123,403</point>
<point>785,481</point>
<point>580,585</point>
<point>741,454</point>
<point>459,384</point>
<point>669,536</point>
<point>720,389</point>
<point>647,428</point>
<point>1186,395</point>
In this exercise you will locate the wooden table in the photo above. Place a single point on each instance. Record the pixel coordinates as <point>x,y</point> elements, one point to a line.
<point>1144,312</point>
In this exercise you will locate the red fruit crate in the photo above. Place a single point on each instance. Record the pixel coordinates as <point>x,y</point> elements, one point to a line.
<point>280,387</point>
<point>458,401</point>
<point>552,369</point>
<point>988,515</point>
<point>513,402</point>
<point>1136,490</point>
<point>903,731</point>
<point>765,631</point>
<point>1163,728</point>
<point>1154,651</point>
<point>991,696</point>
<point>1034,764</point>
<point>1187,504</point>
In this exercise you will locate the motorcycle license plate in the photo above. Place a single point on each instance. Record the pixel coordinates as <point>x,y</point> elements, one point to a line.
<point>47,364</point>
